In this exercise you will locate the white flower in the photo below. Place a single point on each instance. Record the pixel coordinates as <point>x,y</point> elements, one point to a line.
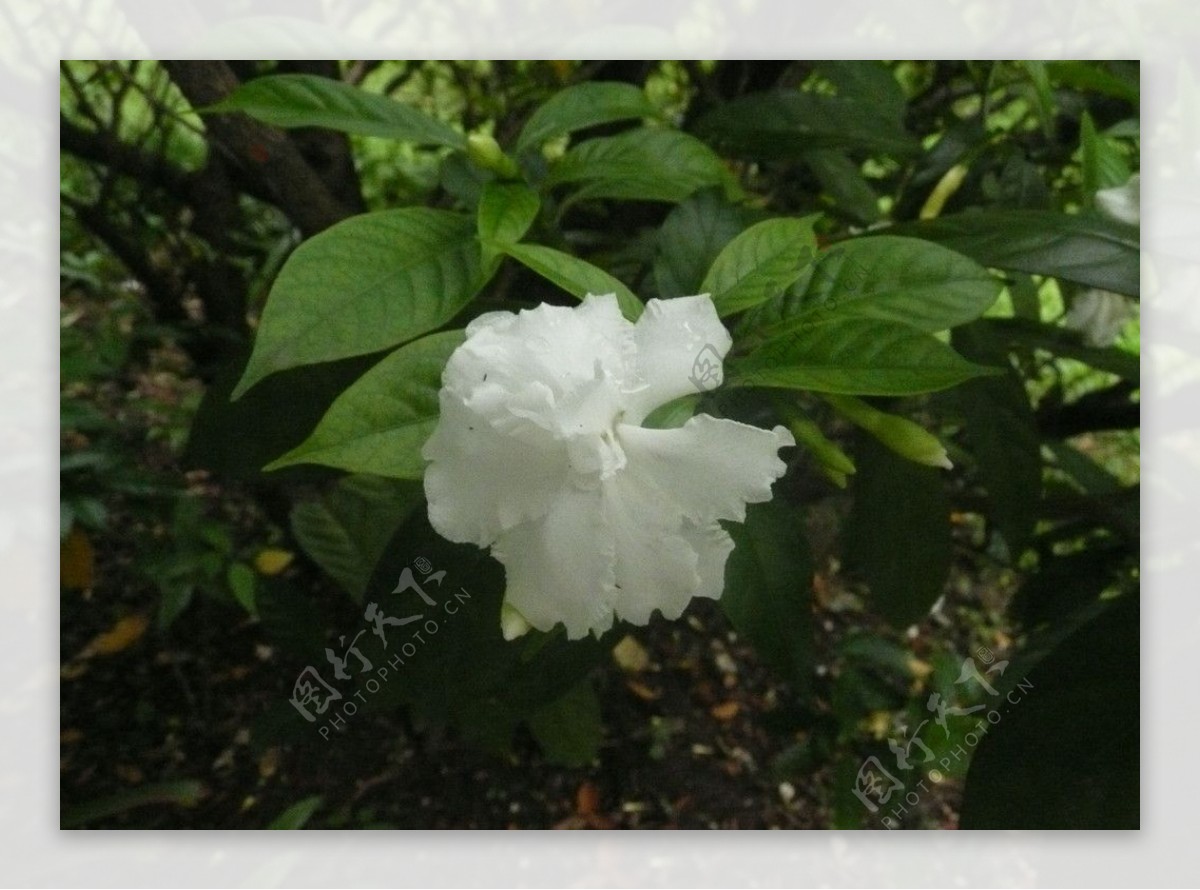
<point>1123,202</point>
<point>539,453</point>
<point>1099,315</point>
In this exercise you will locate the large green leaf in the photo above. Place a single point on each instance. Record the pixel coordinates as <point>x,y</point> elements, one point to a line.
<point>345,528</point>
<point>363,285</point>
<point>1065,752</point>
<point>577,277</point>
<point>867,82</point>
<point>855,357</point>
<point>1002,433</point>
<point>898,532</point>
<point>768,589</point>
<point>583,105</point>
<point>506,211</point>
<point>784,124</point>
<point>379,424</point>
<point>641,165</point>
<point>843,181</point>
<point>1085,248</point>
<point>305,100</point>
<point>902,280</point>
<point>760,263</point>
<point>690,238</point>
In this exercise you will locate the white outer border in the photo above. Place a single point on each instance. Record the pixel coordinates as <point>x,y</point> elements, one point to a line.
<point>35,33</point>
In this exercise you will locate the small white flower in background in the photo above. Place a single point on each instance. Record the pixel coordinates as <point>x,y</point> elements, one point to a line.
<point>539,453</point>
<point>1123,202</point>
<point>1100,314</point>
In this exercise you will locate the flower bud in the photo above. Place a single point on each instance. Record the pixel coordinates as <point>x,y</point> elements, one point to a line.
<point>908,439</point>
<point>512,623</point>
<point>487,153</point>
<point>834,462</point>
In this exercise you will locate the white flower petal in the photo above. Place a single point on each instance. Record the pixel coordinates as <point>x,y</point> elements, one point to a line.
<point>680,346</point>
<point>561,568</point>
<point>709,468</point>
<point>713,546</point>
<point>480,481</point>
<point>655,567</point>
<point>558,346</point>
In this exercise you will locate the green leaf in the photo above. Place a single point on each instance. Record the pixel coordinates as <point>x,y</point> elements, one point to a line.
<point>785,124</point>
<point>506,211</point>
<point>577,277</point>
<point>902,280</point>
<point>768,589</point>
<point>1065,753</point>
<point>345,529</point>
<point>855,357</point>
<point>569,730</point>
<point>583,105</point>
<point>1027,334</point>
<point>1088,249</point>
<point>868,83</point>
<point>242,582</point>
<point>760,263</point>
<point>380,423</point>
<point>1102,164</point>
<point>690,238</point>
<point>306,100</point>
<point>640,165</point>
<point>185,792</point>
<point>297,815</point>
<point>843,181</point>
<point>898,532</point>
<point>672,414</point>
<point>1095,77</point>
<point>366,284</point>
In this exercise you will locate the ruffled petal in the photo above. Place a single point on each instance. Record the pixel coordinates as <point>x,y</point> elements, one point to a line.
<point>559,346</point>
<point>709,468</point>
<point>561,568</point>
<point>481,481</point>
<point>713,546</point>
<point>680,346</point>
<point>655,567</point>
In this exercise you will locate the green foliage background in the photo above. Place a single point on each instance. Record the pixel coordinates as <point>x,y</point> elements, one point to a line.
<point>896,247</point>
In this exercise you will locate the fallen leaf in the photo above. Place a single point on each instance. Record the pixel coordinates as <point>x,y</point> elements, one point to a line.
<point>272,561</point>
<point>725,710</point>
<point>268,764</point>
<point>129,773</point>
<point>642,691</point>
<point>77,561</point>
<point>631,656</point>
<point>117,638</point>
<point>587,799</point>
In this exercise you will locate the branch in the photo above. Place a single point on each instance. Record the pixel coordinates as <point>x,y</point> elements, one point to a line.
<point>263,155</point>
<point>121,157</point>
